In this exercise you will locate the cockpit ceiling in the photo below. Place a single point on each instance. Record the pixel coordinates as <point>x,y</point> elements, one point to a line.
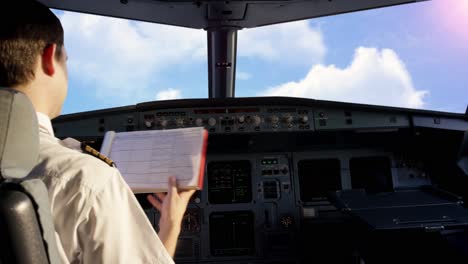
<point>214,13</point>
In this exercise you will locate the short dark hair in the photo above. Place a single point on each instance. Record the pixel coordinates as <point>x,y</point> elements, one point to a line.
<point>26,28</point>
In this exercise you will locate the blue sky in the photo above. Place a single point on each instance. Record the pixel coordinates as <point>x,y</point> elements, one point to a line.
<point>412,55</point>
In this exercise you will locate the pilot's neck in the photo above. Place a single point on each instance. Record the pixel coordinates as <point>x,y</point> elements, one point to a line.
<point>45,124</point>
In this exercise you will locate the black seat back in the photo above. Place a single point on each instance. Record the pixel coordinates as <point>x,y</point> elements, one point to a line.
<point>21,236</point>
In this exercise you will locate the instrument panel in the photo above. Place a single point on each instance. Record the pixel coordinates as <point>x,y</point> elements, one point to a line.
<point>246,115</point>
<point>272,165</point>
<point>254,207</point>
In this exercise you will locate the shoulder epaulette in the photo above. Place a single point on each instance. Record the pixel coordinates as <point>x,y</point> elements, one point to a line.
<point>89,150</point>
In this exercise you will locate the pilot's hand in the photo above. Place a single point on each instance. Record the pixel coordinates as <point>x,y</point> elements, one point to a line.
<point>172,207</point>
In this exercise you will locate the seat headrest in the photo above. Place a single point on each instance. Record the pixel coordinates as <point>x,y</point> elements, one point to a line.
<point>19,135</point>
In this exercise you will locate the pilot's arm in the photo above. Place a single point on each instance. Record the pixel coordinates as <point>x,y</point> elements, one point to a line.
<point>116,229</point>
<point>172,208</point>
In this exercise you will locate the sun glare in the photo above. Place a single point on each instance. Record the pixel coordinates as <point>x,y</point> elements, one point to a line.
<point>453,16</point>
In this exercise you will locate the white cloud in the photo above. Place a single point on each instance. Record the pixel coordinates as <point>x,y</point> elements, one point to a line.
<point>120,58</point>
<point>243,76</point>
<point>373,77</point>
<point>295,42</point>
<point>169,94</point>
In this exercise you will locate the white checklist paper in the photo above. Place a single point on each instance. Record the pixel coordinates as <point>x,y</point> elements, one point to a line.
<point>146,159</point>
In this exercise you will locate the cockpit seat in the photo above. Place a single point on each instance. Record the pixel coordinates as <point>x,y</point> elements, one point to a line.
<point>27,234</point>
<point>463,156</point>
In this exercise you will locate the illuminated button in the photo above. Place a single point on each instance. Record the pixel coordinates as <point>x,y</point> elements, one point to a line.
<point>304,119</point>
<point>212,121</point>
<point>199,122</point>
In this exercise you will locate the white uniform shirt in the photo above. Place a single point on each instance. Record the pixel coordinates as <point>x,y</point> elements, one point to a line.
<point>96,216</point>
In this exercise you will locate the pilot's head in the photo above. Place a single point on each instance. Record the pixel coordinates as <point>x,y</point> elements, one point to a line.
<point>32,54</point>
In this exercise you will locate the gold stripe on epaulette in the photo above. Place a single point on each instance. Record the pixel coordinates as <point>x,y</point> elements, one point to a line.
<point>89,150</point>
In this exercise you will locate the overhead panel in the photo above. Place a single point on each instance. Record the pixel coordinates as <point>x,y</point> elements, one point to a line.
<point>212,13</point>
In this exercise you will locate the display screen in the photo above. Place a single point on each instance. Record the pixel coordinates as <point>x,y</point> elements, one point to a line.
<point>229,182</point>
<point>232,233</point>
<point>318,177</point>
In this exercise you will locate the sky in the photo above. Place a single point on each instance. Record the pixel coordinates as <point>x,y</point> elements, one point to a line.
<point>413,56</point>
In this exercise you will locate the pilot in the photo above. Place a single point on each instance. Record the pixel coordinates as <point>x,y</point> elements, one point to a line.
<point>96,216</point>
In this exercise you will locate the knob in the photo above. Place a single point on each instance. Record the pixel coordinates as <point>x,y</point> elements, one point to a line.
<point>288,119</point>
<point>274,119</point>
<point>287,221</point>
<point>256,120</point>
<point>212,121</point>
<point>180,122</point>
<point>304,119</point>
<point>199,122</point>
<point>163,122</point>
<point>149,123</point>
<point>241,119</point>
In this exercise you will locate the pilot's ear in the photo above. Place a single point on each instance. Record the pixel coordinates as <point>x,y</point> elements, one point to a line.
<point>48,61</point>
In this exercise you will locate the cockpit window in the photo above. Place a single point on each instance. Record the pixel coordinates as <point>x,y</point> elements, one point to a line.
<point>411,56</point>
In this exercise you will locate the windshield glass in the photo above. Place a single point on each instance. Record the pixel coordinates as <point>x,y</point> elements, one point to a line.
<point>413,55</point>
